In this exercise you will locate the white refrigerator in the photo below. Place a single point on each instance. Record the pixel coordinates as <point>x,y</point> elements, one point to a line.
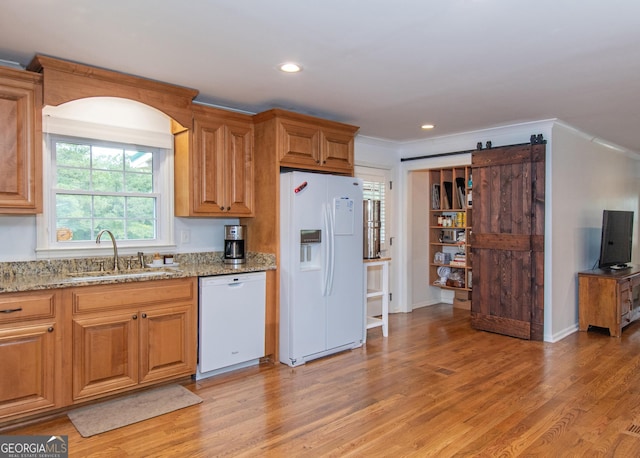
<point>321,267</point>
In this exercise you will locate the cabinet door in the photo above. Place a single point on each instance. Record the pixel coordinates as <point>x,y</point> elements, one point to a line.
<point>20,142</point>
<point>239,169</point>
<point>336,150</point>
<point>167,342</point>
<point>27,366</point>
<point>214,170</point>
<point>105,354</point>
<point>209,173</point>
<point>299,144</point>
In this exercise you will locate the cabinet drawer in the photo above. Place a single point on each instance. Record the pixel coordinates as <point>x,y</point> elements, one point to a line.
<point>32,306</point>
<point>112,297</point>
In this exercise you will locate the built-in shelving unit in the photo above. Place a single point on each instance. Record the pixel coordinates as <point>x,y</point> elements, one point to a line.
<point>450,227</point>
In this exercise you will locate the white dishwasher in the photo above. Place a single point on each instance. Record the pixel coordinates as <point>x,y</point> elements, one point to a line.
<point>231,322</point>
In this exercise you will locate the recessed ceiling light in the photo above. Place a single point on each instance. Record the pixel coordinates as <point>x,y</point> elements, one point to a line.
<point>427,126</point>
<point>290,67</point>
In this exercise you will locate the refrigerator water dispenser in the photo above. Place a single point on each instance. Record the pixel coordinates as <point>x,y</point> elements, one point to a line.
<point>310,248</point>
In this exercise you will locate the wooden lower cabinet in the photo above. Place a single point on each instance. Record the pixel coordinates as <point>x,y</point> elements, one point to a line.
<point>67,346</point>
<point>105,354</point>
<point>167,343</point>
<point>133,335</point>
<point>30,353</point>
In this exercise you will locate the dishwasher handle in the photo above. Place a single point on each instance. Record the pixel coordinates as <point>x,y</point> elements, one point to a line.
<point>229,280</point>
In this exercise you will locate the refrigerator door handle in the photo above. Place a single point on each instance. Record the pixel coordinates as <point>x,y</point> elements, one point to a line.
<point>325,266</point>
<point>329,252</point>
<point>331,238</point>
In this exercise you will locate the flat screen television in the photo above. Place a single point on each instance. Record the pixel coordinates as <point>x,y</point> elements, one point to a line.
<point>616,240</point>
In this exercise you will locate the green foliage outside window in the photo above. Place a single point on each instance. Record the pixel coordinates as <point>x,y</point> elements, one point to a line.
<point>103,187</point>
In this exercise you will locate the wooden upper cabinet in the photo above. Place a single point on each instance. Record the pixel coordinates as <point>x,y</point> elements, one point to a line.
<point>214,165</point>
<point>20,142</point>
<point>309,143</point>
<point>337,149</point>
<point>300,145</point>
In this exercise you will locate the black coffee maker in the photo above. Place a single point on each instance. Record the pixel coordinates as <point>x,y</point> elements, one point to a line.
<point>234,238</point>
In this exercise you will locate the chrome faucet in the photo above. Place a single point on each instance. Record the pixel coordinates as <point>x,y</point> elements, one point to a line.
<point>115,247</point>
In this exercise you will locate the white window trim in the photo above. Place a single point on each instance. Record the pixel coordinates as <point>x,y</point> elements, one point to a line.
<point>165,241</point>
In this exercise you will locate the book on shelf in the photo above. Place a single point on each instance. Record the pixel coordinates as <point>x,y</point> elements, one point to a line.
<point>435,197</point>
<point>461,201</point>
<point>459,260</point>
<point>448,194</point>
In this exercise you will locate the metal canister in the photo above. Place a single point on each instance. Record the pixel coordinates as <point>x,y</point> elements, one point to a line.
<point>371,227</point>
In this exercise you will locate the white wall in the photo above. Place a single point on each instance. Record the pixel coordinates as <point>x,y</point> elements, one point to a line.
<point>18,236</point>
<point>420,291</point>
<point>586,177</point>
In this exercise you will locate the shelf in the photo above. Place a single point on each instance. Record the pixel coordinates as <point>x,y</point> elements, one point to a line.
<point>374,293</point>
<point>453,288</point>
<point>462,228</point>
<point>382,292</point>
<point>448,187</point>
<point>449,265</point>
<point>373,322</point>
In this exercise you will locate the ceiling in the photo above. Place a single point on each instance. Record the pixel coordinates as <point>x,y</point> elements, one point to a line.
<point>386,66</point>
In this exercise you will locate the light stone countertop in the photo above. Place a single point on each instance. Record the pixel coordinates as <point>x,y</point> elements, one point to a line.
<point>58,273</point>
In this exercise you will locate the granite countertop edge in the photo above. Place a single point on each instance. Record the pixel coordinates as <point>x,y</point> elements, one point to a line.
<point>54,274</point>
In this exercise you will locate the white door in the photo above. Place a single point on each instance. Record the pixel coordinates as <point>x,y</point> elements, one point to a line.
<point>345,301</point>
<point>307,308</point>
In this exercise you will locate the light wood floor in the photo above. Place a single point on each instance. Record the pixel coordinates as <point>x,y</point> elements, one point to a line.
<point>434,387</point>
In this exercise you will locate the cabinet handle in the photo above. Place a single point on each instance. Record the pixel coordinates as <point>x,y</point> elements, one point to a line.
<point>50,329</point>
<point>19,309</point>
<point>221,208</point>
<point>228,208</point>
<point>135,317</point>
<point>144,315</point>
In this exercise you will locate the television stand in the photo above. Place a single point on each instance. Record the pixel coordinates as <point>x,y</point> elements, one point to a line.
<point>609,298</point>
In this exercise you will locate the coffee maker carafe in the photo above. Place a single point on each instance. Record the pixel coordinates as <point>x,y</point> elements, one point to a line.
<point>234,238</point>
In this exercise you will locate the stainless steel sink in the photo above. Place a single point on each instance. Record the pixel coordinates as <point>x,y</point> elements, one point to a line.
<point>106,275</point>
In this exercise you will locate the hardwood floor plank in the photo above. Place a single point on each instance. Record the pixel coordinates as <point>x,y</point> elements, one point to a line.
<point>434,387</point>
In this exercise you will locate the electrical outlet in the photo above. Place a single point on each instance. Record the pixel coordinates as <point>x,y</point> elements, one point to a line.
<point>185,236</point>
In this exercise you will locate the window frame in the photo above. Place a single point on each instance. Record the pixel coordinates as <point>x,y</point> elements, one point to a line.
<point>46,244</point>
